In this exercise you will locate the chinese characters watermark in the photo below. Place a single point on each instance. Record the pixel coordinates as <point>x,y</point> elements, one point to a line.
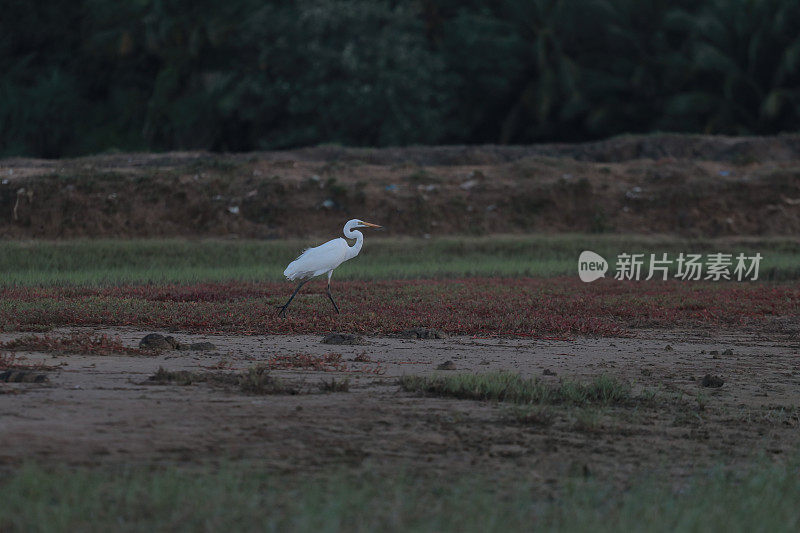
<point>688,267</point>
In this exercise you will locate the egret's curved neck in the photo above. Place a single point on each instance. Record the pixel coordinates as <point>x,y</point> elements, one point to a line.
<point>359,237</point>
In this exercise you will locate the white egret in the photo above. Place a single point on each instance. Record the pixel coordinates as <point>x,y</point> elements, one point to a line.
<point>323,259</point>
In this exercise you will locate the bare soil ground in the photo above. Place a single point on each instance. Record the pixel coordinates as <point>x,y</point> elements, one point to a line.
<point>101,409</point>
<point>688,185</point>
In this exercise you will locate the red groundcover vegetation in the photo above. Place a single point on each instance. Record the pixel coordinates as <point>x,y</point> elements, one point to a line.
<point>75,342</point>
<point>474,306</point>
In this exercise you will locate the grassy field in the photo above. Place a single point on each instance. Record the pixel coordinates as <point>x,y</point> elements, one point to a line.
<point>515,286</point>
<point>246,498</point>
<point>108,262</point>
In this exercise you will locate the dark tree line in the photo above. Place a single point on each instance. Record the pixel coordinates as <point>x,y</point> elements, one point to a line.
<point>94,75</point>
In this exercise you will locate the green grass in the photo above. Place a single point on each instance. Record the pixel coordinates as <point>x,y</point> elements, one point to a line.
<point>103,262</point>
<point>511,387</point>
<point>245,497</point>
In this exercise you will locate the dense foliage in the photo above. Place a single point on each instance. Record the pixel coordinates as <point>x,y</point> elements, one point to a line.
<point>94,75</point>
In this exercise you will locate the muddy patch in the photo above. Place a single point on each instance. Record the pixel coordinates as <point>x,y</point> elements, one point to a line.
<point>211,405</point>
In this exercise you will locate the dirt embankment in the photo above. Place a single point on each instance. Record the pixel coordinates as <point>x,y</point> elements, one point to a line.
<point>687,185</point>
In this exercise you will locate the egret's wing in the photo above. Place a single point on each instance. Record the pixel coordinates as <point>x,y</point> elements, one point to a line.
<point>317,260</point>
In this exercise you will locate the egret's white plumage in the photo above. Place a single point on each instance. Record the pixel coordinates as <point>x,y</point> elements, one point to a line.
<point>325,258</point>
<point>318,260</point>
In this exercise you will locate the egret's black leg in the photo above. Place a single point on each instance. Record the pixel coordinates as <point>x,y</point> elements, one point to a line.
<point>330,297</point>
<point>283,307</point>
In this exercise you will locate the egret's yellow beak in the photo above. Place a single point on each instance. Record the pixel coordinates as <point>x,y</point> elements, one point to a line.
<point>367,224</point>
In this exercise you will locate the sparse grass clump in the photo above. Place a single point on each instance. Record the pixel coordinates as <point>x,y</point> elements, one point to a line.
<point>179,377</point>
<point>257,380</point>
<point>254,380</point>
<point>588,421</point>
<point>329,362</point>
<point>78,342</point>
<point>363,357</point>
<point>334,386</point>
<point>603,390</point>
<point>513,388</point>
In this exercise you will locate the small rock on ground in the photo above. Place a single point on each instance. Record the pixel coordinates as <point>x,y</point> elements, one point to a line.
<point>22,376</point>
<point>447,365</point>
<point>712,381</point>
<point>342,338</point>
<point>155,341</point>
